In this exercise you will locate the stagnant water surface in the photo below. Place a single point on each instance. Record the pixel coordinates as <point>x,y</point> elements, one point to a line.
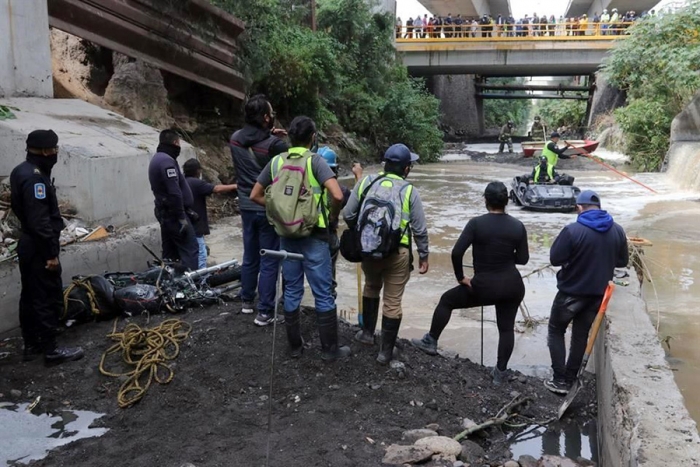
<point>26,436</point>
<point>452,194</point>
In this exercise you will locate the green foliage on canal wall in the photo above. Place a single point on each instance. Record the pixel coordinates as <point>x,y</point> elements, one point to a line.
<point>346,72</point>
<point>659,67</point>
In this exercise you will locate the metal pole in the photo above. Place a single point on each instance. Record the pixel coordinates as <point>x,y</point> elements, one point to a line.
<point>482,336</point>
<point>281,255</point>
<point>216,268</point>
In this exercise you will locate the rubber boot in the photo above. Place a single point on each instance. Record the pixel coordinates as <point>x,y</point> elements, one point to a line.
<point>292,321</point>
<point>328,332</point>
<point>370,312</point>
<point>390,331</point>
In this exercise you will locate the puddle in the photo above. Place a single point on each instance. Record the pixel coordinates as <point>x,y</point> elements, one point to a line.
<point>571,440</point>
<point>27,436</point>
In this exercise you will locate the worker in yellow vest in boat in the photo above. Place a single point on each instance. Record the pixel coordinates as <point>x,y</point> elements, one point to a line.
<point>553,152</point>
<point>544,172</point>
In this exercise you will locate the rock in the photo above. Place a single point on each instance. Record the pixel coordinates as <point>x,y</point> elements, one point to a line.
<point>527,461</point>
<point>556,461</point>
<point>432,426</point>
<point>16,393</point>
<point>264,397</point>
<point>442,459</point>
<point>472,453</point>
<point>511,464</point>
<point>412,436</point>
<point>514,394</point>
<point>468,423</point>
<point>431,405</point>
<point>446,389</point>
<point>522,380</point>
<point>459,464</point>
<point>375,386</point>
<point>441,445</point>
<point>187,465</point>
<point>585,462</point>
<point>396,454</point>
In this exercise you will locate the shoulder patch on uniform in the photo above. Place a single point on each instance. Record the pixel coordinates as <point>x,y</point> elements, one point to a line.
<point>171,173</point>
<point>39,191</point>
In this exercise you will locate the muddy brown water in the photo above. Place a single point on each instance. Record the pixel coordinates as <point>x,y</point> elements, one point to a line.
<point>452,194</point>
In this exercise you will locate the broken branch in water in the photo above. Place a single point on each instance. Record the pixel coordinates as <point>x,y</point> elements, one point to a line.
<point>501,417</point>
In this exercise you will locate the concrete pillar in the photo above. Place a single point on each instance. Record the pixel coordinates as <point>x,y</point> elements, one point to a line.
<point>25,51</point>
<point>457,104</point>
<point>480,115</point>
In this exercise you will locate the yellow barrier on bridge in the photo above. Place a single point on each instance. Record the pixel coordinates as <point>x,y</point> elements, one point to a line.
<point>514,32</point>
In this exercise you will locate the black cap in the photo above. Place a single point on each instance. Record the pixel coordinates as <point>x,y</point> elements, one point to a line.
<point>42,139</point>
<point>554,135</point>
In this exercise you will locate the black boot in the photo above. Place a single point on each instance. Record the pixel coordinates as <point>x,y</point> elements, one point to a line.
<point>328,332</point>
<point>370,311</point>
<point>390,331</point>
<point>54,355</point>
<point>31,351</point>
<point>292,321</point>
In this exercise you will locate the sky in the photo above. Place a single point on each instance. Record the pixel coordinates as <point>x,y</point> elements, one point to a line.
<point>410,8</point>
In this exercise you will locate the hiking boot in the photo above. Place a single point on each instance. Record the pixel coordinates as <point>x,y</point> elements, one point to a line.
<point>328,333</point>
<point>248,308</point>
<point>292,320</point>
<point>264,318</point>
<point>557,387</point>
<point>31,352</point>
<point>62,354</point>
<point>499,377</point>
<point>390,331</point>
<point>427,344</point>
<point>370,312</point>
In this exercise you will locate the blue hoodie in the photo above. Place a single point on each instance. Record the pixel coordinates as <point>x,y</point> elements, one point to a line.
<point>588,252</point>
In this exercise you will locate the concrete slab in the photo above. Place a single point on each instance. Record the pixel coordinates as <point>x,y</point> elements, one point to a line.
<point>25,54</point>
<point>121,253</point>
<point>103,161</point>
<point>642,419</point>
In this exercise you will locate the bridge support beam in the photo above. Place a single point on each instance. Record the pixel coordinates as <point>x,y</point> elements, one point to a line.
<point>25,51</point>
<point>458,107</point>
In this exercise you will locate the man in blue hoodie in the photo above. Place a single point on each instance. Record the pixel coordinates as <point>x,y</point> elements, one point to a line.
<point>588,252</point>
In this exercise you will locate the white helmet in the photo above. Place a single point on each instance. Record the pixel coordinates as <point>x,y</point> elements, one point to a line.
<point>605,11</point>
<point>614,10</point>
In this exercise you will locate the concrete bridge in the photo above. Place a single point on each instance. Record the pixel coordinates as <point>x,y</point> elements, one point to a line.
<point>507,56</point>
<point>590,7</point>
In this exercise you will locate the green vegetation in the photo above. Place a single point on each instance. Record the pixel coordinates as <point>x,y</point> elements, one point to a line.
<point>497,112</point>
<point>345,73</point>
<point>559,113</point>
<point>658,65</point>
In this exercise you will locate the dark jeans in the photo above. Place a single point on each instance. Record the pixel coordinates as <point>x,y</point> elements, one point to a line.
<point>565,309</point>
<point>41,299</point>
<point>259,272</point>
<point>505,290</point>
<point>177,245</point>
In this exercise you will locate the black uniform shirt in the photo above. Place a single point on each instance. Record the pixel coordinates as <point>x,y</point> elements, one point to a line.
<point>200,191</point>
<point>171,191</point>
<point>35,204</point>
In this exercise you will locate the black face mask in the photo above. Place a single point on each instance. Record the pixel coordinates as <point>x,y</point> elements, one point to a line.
<point>169,149</point>
<point>45,163</point>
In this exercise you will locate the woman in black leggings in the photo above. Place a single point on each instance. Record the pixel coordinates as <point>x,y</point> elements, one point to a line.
<point>500,242</point>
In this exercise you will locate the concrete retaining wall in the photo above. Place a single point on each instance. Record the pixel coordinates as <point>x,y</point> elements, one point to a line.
<point>103,161</point>
<point>121,253</point>
<point>642,419</point>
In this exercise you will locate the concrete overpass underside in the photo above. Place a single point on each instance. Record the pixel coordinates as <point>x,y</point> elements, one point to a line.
<point>513,58</point>
<point>468,8</point>
<point>590,7</point>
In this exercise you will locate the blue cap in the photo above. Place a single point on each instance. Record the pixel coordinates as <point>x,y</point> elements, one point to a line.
<point>588,197</point>
<point>329,155</point>
<point>555,135</point>
<point>400,153</point>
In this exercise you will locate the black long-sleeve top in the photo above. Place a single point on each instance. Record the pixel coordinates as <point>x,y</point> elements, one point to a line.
<point>499,240</point>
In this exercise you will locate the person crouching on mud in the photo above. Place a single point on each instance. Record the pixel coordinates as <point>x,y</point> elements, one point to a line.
<point>500,242</point>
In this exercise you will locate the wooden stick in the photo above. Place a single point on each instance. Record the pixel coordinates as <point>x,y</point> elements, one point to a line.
<point>499,419</point>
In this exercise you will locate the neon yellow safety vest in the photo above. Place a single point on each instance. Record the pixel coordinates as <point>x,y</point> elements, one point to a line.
<point>277,164</point>
<point>552,157</point>
<point>405,205</point>
<point>550,172</point>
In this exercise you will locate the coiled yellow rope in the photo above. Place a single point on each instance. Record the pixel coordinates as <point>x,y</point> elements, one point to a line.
<point>147,352</point>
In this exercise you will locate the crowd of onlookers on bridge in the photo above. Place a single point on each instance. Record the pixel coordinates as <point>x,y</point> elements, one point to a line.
<point>448,27</point>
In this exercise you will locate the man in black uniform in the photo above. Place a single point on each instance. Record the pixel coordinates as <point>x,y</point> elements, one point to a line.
<point>200,191</point>
<point>35,204</point>
<point>173,198</point>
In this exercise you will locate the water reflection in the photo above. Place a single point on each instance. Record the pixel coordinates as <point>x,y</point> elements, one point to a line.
<point>569,440</point>
<point>26,436</point>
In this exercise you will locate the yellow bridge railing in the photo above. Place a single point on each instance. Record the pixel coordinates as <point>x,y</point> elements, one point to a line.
<point>513,32</point>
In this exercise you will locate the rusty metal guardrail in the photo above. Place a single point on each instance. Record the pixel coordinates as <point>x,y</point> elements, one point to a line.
<point>196,41</point>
